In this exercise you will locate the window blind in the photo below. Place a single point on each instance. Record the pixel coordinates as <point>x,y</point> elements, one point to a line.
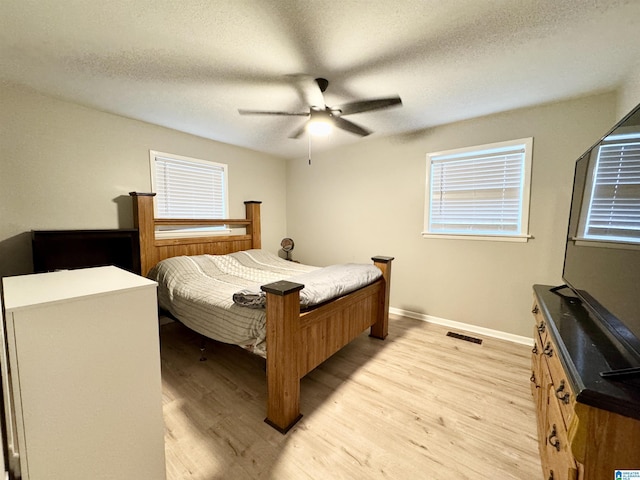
<point>478,192</point>
<point>614,208</point>
<point>189,189</point>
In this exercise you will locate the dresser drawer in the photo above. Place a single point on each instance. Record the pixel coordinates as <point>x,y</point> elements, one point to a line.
<point>561,393</point>
<point>536,365</point>
<point>558,459</point>
<point>541,323</point>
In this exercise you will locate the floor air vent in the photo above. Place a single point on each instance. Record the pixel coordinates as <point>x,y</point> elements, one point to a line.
<point>464,337</point>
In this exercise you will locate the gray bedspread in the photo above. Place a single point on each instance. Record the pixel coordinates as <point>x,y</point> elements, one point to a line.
<point>320,285</point>
<point>199,291</point>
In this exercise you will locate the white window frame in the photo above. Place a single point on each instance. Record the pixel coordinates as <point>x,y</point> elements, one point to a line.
<point>604,240</point>
<point>522,233</point>
<point>197,231</point>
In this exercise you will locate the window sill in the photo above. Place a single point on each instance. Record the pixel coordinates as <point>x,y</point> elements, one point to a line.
<point>494,238</point>
<point>594,242</point>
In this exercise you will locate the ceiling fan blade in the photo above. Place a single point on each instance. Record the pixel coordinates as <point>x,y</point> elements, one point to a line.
<point>366,105</point>
<point>266,112</point>
<point>350,126</point>
<point>299,132</point>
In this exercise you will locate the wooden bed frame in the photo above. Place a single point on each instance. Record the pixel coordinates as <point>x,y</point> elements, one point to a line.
<point>297,342</point>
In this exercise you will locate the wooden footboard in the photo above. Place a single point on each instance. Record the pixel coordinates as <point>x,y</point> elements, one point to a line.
<point>299,342</point>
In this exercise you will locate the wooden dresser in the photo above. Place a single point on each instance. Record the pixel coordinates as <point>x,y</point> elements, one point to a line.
<point>588,427</point>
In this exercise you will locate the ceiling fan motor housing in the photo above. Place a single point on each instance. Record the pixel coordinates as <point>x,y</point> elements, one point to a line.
<point>323,83</point>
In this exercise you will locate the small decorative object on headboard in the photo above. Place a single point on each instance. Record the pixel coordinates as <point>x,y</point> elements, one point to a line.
<point>287,245</point>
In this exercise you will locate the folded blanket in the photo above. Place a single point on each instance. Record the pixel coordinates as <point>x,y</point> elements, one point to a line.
<point>320,285</point>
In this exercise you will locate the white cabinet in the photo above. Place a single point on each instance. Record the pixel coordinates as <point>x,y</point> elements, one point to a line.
<point>84,373</point>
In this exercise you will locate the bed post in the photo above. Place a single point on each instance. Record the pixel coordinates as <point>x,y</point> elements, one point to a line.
<point>143,220</point>
<point>252,208</point>
<point>283,377</point>
<point>380,329</point>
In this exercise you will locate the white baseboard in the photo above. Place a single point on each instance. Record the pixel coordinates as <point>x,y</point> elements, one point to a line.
<point>510,337</point>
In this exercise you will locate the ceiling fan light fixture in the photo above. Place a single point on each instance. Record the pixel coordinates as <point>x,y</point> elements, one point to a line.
<point>321,123</point>
<point>320,128</point>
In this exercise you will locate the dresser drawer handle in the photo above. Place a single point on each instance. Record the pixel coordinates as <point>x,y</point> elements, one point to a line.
<point>542,327</point>
<point>533,379</point>
<point>551,477</point>
<point>535,310</point>
<point>562,396</point>
<point>548,350</point>
<point>553,438</point>
<point>534,350</point>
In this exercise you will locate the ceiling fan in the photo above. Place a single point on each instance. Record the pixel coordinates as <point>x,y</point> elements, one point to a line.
<point>324,117</point>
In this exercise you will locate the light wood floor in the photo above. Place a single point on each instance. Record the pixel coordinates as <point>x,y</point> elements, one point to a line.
<point>419,405</point>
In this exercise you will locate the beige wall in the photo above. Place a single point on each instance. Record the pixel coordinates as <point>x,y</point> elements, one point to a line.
<point>368,199</point>
<point>629,93</point>
<point>63,166</point>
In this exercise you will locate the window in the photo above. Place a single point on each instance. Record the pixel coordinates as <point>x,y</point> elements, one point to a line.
<point>480,191</point>
<point>612,195</point>
<point>189,188</point>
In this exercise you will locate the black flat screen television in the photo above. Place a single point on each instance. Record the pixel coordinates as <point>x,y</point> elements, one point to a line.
<point>602,256</point>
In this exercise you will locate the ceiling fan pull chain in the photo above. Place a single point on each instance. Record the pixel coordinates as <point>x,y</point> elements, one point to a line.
<point>308,135</point>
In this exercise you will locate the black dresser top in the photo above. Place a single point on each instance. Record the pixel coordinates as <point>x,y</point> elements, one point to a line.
<point>585,350</point>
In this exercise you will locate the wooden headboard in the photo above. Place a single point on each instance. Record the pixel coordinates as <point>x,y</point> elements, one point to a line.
<point>153,250</point>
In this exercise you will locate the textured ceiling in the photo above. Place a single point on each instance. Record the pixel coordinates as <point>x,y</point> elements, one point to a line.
<point>190,64</point>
